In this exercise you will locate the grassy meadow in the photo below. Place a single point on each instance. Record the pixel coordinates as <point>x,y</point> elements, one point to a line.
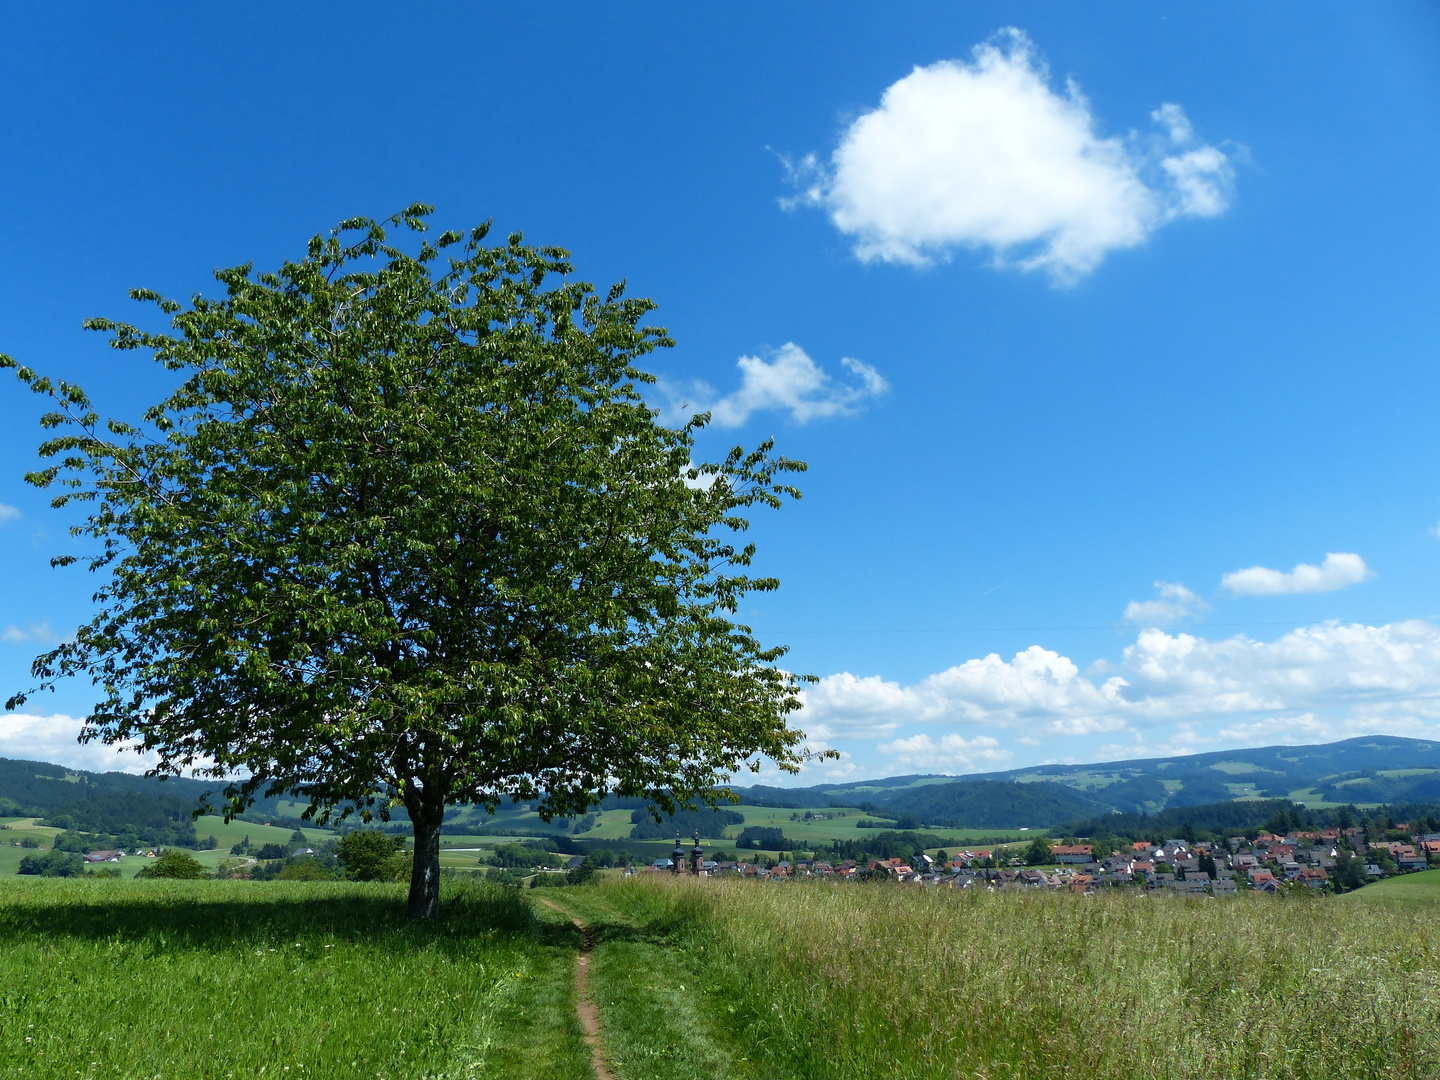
<point>1420,890</point>
<point>228,979</point>
<point>845,981</point>
<point>714,979</point>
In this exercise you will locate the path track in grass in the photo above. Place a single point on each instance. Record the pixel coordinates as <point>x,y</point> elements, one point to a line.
<point>584,1007</point>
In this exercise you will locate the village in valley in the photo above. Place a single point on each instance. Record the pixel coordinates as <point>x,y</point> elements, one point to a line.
<point>1330,860</point>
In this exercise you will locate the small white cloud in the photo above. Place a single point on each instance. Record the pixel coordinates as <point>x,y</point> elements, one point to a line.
<point>951,753</point>
<point>1174,603</point>
<point>701,481</point>
<point>789,381</point>
<point>1339,570</point>
<point>8,514</point>
<point>988,155</point>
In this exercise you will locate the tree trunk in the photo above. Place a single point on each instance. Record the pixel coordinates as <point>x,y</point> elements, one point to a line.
<point>425,873</point>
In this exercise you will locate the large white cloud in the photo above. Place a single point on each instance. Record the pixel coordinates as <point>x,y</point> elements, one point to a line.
<point>989,155</point>
<point>790,381</point>
<point>1339,570</point>
<point>1037,685</point>
<point>54,739</point>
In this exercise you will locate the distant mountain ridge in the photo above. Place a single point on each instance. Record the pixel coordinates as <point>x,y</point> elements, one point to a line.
<point>1363,771</point>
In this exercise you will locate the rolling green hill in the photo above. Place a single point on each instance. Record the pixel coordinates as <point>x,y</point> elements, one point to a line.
<point>1366,771</point>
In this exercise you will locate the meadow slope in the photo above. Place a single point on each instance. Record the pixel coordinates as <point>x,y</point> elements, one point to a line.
<point>844,981</point>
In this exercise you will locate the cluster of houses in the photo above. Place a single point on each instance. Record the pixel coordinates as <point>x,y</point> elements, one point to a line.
<point>116,855</point>
<point>1202,868</point>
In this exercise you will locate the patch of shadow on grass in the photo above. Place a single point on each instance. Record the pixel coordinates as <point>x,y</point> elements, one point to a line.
<point>190,915</point>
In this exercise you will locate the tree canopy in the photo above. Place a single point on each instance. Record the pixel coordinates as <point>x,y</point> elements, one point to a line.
<point>406,533</point>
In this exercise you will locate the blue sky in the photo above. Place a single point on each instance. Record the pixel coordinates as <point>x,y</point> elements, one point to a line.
<point>1093,323</point>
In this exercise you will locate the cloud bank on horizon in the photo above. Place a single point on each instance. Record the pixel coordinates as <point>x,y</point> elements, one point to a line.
<point>988,155</point>
<point>1168,694</point>
<point>55,738</point>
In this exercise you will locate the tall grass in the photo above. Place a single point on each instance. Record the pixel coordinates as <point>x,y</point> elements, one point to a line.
<point>216,979</point>
<point>832,981</point>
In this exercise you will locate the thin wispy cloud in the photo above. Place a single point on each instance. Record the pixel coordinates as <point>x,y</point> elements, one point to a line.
<point>38,632</point>
<point>990,155</point>
<point>9,513</point>
<point>788,381</point>
<point>1339,570</point>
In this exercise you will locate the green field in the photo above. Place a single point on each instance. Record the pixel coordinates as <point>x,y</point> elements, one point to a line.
<point>240,979</point>
<point>835,981</point>
<point>1411,890</point>
<point>707,980</point>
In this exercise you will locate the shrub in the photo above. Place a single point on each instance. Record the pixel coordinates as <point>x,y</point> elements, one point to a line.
<point>762,836</point>
<point>29,842</point>
<point>173,864</point>
<point>53,864</point>
<point>1038,853</point>
<point>83,842</point>
<point>371,855</point>
<point>517,857</point>
<point>305,868</point>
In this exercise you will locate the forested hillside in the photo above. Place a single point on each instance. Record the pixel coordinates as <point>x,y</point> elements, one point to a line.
<point>1366,771</point>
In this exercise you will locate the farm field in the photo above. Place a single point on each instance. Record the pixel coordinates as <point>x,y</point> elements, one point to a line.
<point>228,833</point>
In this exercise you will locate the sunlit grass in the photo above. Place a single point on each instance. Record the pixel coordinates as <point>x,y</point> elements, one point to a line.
<point>242,979</point>
<point>1421,891</point>
<point>865,981</point>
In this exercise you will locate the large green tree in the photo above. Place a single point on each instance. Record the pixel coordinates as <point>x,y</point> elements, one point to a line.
<point>406,533</point>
